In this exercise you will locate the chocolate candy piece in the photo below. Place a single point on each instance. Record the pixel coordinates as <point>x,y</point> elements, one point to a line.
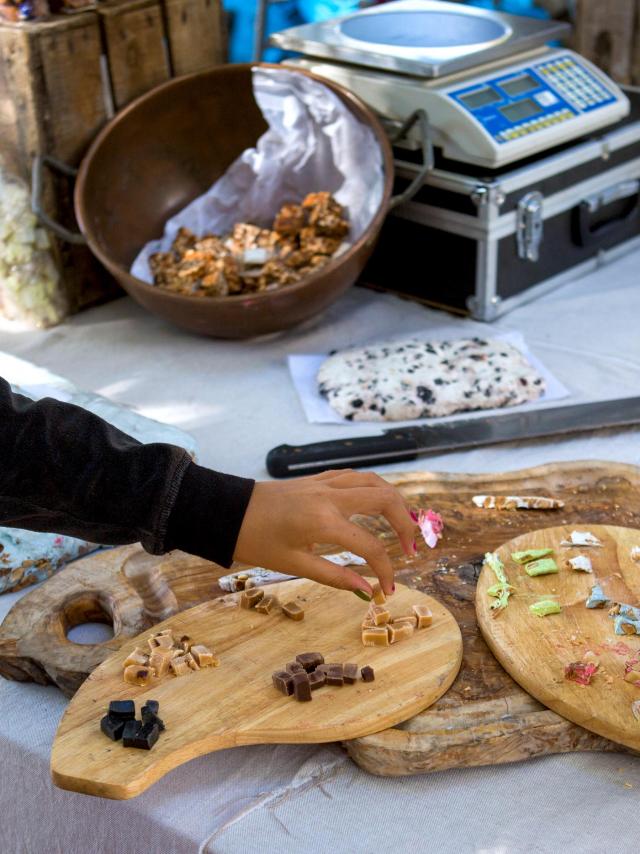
<point>349,673</point>
<point>294,667</point>
<point>112,727</point>
<point>310,660</point>
<point>268,605</point>
<point>123,710</point>
<point>334,675</point>
<point>283,682</point>
<point>251,597</point>
<point>367,674</point>
<point>301,687</point>
<point>293,611</point>
<point>317,679</point>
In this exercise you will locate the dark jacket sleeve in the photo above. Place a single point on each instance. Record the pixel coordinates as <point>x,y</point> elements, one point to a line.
<point>67,471</point>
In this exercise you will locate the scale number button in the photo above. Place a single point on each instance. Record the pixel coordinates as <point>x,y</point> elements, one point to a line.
<point>546,98</point>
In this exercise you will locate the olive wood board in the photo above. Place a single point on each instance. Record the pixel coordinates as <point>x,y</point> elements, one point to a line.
<point>484,719</point>
<point>236,703</point>
<point>534,650</point>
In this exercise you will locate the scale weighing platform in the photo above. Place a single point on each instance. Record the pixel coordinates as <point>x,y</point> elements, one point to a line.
<point>494,93</point>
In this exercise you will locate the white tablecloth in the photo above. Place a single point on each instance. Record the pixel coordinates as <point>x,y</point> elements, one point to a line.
<point>237,400</point>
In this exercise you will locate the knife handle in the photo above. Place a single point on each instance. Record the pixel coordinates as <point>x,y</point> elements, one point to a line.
<point>296,460</point>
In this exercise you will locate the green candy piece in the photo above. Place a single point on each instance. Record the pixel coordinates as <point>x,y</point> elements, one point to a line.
<point>546,566</point>
<point>545,607</point>
<point>502,590</point>
<point>530,554</point>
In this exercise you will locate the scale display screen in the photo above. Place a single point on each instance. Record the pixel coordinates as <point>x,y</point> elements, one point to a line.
<point>521,110</point>
<point>519,85</point>
<point>480,98</point>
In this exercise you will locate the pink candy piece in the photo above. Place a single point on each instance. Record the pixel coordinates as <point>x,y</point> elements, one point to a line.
<point>431,526</point>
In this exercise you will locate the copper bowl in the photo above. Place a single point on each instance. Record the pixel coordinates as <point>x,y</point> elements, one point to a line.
<point>168,147</point>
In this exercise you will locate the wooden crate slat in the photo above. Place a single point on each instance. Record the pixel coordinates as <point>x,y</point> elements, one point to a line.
<point>197,34</point>
<point>136,48</point>
<point>605,33</point>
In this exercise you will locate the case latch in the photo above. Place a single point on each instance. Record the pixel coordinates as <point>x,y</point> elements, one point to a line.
<point>529,226</point>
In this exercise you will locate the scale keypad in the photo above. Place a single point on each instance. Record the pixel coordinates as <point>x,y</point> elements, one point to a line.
<point>534,99</point>
<point>574,84</point>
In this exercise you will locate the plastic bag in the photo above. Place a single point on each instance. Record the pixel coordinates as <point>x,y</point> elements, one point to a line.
<point>30,287</point>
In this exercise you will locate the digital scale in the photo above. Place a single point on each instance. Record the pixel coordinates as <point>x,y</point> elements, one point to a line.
<point>493,91</point>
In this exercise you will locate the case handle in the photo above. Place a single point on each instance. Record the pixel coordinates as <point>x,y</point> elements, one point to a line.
<point>39,162</point>
<point>588,234</point>
<point>420,118</point>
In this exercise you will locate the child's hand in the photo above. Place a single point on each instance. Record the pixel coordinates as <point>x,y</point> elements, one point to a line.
<point>284,520</point>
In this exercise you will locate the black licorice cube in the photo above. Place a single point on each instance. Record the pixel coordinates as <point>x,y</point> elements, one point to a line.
<point>131,732</point>
<point>150,717</point>
<point>152,705</point>
<point>123,710</point>
<point>149,734</point>
<point>112,727</point>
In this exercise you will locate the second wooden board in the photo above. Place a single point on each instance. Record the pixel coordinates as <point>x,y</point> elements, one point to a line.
<point>236,703</point>
<point>534,650</point>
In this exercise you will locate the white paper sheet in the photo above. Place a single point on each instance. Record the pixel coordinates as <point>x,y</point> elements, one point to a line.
<point>314,143</point>
<point>304,371</point>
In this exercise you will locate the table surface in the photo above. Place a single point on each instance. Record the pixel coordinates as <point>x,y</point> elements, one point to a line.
<point>236,399</point>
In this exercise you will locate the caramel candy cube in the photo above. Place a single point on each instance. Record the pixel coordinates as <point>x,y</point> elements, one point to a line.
<point>310,660</point>
<point>136,675</point>
<point>179,666</point>
<point>376,636</point>
<point>301,687</point>
<point>424,615</point>
<point>378,594</point>
<point>240,582</point>
<point>407,618</point>
<point>283,682</point>
<point>379,615</point>
<point>152,643</point>
<point>350,673</point>
<point>293,611</point>
<point>367,623</point>
<point>159,661</point>
<point>268,604</point>
<point>317,679</point>
<point>193,664</point>
<point>185,643</point>
<point>399,631</point>
<point>367,674</point>
<point>250,583</point>
<point>203,655</point>
<point>334,675</point>
<point>294,667</point>
<point>250,598</point>
<point>138,657</point>
<point>164,641</point>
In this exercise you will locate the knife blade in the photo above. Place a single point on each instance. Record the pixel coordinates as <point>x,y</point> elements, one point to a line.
<point>407,443</point>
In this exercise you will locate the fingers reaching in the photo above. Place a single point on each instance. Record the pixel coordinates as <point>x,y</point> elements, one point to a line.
<point>323,571</point>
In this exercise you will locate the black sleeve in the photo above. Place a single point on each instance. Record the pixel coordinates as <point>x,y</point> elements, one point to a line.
<point>67,471</point>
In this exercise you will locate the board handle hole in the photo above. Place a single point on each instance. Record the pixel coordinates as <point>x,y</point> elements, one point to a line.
<point>89,618</point>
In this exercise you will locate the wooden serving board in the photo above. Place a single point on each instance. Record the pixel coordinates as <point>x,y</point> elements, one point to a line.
<point>534,650</point>
<point>485,718</point>
<point>236,703</point>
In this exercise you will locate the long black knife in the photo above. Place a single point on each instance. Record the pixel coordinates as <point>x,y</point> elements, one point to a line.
<point>407,443</point>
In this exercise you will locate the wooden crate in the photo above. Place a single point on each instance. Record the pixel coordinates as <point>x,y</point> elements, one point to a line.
<point>608,33</point>
<point>62,79</point>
